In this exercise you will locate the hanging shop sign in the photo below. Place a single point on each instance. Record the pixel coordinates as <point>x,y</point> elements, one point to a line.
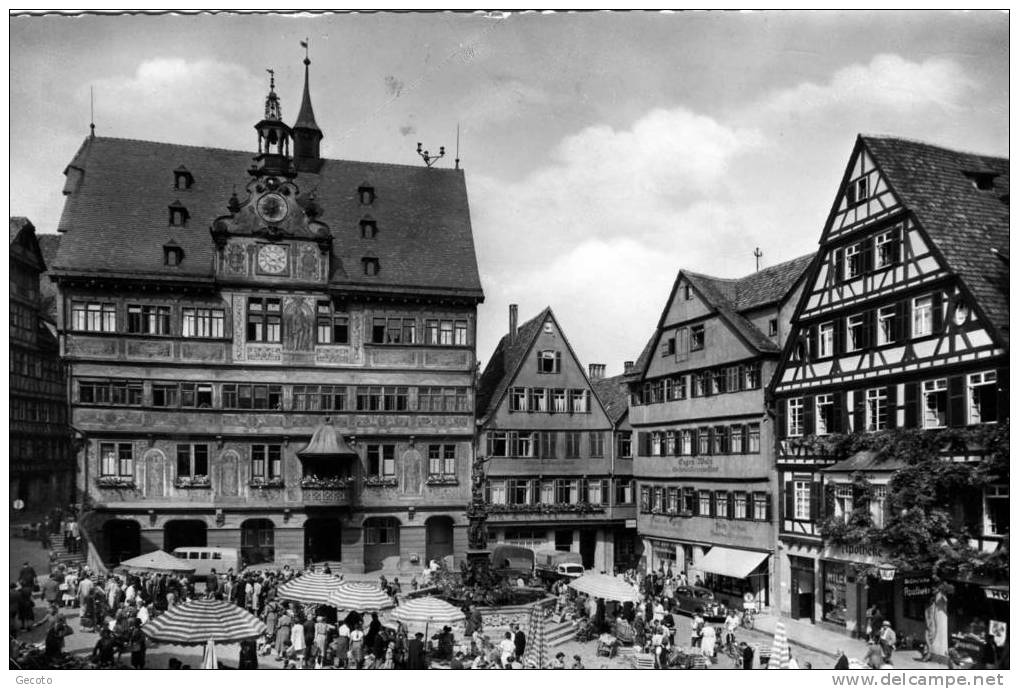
<point>917,586</point>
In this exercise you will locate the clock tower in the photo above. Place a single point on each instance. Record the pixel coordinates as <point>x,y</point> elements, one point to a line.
<point>274,234</point>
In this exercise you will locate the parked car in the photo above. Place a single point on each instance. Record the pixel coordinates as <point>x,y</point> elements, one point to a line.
<point>690,599</point>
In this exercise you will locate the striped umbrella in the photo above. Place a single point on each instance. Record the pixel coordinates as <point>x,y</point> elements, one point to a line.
<point>427,611</point>
<point>779,649</point>
<point>537,651</point>
<point>197,622</point>
<point>604,586</point>
<point>360,596</point>
<point>310,587</point>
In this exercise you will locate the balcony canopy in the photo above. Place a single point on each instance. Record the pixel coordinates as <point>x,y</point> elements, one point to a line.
<point>326,443</point>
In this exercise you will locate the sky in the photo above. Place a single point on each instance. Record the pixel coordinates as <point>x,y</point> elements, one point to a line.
<point>603,152</point>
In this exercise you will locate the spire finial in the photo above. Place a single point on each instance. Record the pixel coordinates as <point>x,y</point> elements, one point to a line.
<point>304,44</point>
<point>272,101</point>
<point>92,111</point>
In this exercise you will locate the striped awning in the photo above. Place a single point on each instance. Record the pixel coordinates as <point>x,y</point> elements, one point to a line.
<point>360,596</point>
<point>310,587</point>
<point>604,586</point>
<point>197,622</point>
<point>427,610</point>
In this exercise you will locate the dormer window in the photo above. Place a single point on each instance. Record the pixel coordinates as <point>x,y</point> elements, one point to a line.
<point>182,178</point>
<point>371,265</point>
<point>369,228</point>
<point>981,179</point>
<point>173,255</point>
<point>179,214</point>
<point>366,194</point>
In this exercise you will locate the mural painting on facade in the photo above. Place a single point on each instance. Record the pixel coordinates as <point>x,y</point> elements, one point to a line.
<point>154,466</point>
<point>309,263</point>
<point>238,301</point>
<point>412,468</point>
<point>235,259</point>
<point>298,324</point>
<point>150,350</point>
<point>229,473</point>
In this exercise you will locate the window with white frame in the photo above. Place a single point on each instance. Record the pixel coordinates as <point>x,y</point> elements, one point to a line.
<point>935,403</point>
<point>148,319</point>
<point>497,492</point>
<point>721,504</point>
<point>595,492</point>
<point>624,491</point>
<point>670,443</point>
<point>704,441</point>
<point>736,439</point>
<point>854,261</point>
<point>886,324</point>
<point>761,506</point>
<point>824,414</point>
<point>754,438</point>
<point>739,505</point>
<point>518,399</point>
<point>267,461</point>
<point>442,460</point>
<point>659,500</point>
<point>996,513</point>
<point>679,388</point>
<point>673,506</point>
<point>548,361</point>
<point>548,493</point>
<point>826,339</point>
<point>794,418</point>
<point>923,316</point>
<point>854,332</point>
<point>801,500</point>
<point>686,442</point>
<point>116,459</point>
<point>559,401</point>
<point>983,397</point>
<point>94,317</point>
<point>579,401</point>
<point>752,376</point>
<point>879,506</point>
<point>843,501</point>
<point>196,322</point>
<point>876,409</point>
<point>645,498</point>
<point>192,459</point>
<point>704,503</point>
<point>538,400</point>
<point>696,338</point>
<point>518,492</point>
<point>656,444</point>
<point>886,246</point>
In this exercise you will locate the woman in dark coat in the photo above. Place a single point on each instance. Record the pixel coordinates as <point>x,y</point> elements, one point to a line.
<point>136,645</point>
<point>26,608</point>
<point>248,655</point>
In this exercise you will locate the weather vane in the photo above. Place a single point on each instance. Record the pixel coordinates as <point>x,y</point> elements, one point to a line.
<point>757,256</point>
<point>430,159</point>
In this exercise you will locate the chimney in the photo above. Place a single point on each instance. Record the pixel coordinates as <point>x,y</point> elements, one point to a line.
<point>513,322</point>
<point>627,367</point>
<point>596,371</point>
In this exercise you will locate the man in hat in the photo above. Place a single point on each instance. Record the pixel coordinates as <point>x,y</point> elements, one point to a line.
<point>519,642</point>
<point>887,640</point>
<point>416,653</point>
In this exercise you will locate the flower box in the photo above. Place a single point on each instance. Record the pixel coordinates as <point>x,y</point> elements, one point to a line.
<point>115,482</point>
<point>330,483</point>
<point>377,482</point>
<point>442,481</point>
<point>192,482</point>
<point>265,483</point>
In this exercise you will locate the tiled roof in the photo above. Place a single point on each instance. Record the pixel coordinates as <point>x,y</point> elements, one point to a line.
<point>18,223</point>
<point>866,460</point>
<point>733,298</point>
<point>966,224</point>
<point>116,216</point>
<point>642,360</point>
<point>506,358</point>
<point>49,244</point>
<point>613,395</point>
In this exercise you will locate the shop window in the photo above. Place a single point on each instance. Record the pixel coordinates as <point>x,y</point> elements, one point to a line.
<point>834,607</point>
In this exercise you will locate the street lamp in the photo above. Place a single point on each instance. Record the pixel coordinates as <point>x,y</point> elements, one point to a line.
<point>886,572</point>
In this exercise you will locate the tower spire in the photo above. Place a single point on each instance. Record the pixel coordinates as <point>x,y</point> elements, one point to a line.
<point>307,135</point>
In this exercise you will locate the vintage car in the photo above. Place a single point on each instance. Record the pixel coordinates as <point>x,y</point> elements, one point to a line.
<point>690,599</point>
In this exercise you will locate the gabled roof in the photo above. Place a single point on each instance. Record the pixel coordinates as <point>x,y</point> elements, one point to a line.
<point>506,359</point>
<point>614,396</point>
<point>18,223</point>
<point>22,230</point>
<point>115,218</point>
<point>966,224</point>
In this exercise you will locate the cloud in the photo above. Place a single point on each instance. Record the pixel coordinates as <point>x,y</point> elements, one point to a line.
<point>888,81</point>
<point>200,102</point>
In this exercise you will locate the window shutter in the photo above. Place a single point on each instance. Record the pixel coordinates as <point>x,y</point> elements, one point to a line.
<point>514,445</point>
<point>750,506</point>
<point>789,496</point>
<point>897,245</point>
<point>812,343</point>
<point>828,508</point>
<point>767,507</point>
<point>901,329</point>
<point>937,320</point>
<point>911,404</point>
<point>782,427</point>
<point>870,328</point>
<point>837,266</point>
<point>957,401</point>
<point>711,440</point>
<point>816,498</point>
<point>558,362</point>
<point>839,336</point>
<point>838,412</point>
<point>711,504</point>
<point>695,442</point>
<point>746,439</point>
<point>859,415</point>
<point>682,344</point>
<point>1002,394</point>
<point>677,444</point>
<point>808,415</point>
<point>730,499</point>
<point>867,252</point>
<point>706,382</point>
<point>539,360</point>
<point>893,406</point>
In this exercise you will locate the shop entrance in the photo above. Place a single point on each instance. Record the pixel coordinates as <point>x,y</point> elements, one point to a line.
<point>381,541</point>
<point>801,588</point>
<point>882,594</point>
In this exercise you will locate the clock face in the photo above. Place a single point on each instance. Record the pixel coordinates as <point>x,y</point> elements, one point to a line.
<point>272,207</point>
<point>272,258</point>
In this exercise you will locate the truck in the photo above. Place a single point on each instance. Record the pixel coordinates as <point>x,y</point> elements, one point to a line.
<point>552,565</point>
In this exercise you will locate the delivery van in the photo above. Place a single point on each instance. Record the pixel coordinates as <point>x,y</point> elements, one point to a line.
<point>204,560</point>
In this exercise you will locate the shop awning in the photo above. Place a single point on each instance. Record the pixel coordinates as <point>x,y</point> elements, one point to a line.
<point>730,562</point>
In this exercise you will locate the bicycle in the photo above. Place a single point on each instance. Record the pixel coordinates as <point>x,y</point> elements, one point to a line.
<point>747,620</point>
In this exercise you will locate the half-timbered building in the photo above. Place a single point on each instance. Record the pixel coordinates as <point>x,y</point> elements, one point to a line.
<point>547,441</point>
<point>704,456</point>
<point>903,323</point>
<point>269,350</point>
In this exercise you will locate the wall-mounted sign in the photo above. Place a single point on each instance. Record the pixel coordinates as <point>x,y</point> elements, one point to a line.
<point>917,586</point>
<point>997,593</point>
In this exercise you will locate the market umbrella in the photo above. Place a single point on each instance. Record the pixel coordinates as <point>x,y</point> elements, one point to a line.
<point>311,587</point>
<point>359,596</point>
<point>604,586</point>
<point>779,649</point>
<point>536,648</point>
<point>200,621</point>
<point>426,611</point>
<point>156,561</point>
<point>209,661</point>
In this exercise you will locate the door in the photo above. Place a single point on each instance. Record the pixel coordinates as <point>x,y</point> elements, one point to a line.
<point>588,542</point>
<point>381,541</point>
<point>438,538</point>
<point>801,603</point>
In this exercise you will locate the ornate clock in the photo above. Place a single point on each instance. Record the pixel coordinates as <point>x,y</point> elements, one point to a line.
<point>272,207</point>
<point>272,258</point>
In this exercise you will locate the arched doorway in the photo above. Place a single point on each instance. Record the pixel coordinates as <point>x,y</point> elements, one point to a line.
<point>182,533</point>
<point>381,540</point>
<point>323,539</point>
<point>438,538</point>
<point>258,541</point>
<point>123,540</point>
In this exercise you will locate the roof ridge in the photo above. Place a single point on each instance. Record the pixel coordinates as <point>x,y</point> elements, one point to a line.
<point>235,150</point>
<point>926,144</point>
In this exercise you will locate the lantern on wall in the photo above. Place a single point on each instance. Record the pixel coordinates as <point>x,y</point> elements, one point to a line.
<point>886,572</point>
